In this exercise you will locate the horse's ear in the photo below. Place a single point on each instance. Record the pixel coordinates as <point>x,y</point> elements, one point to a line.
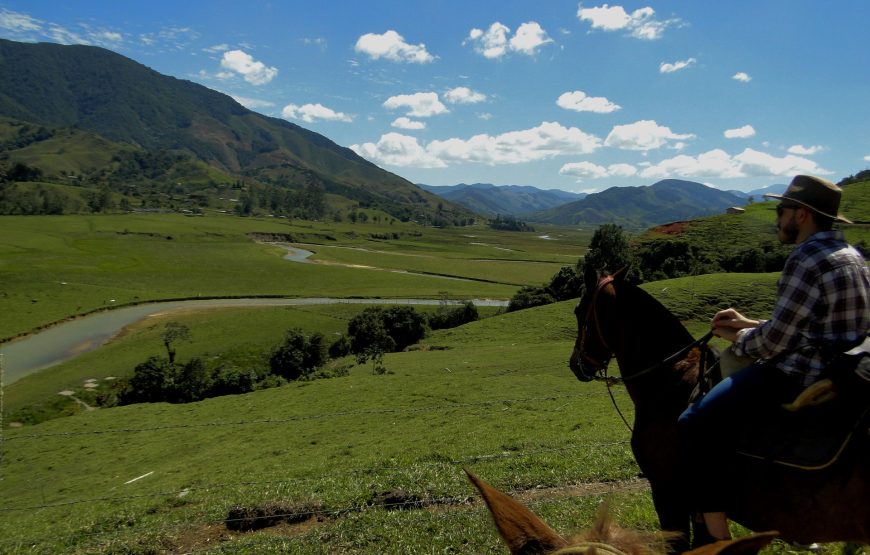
<point>520,528</point>
<point>747,545</point>
<point>621,273</point>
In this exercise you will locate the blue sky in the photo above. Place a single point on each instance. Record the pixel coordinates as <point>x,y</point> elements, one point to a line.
<point>557,94</point>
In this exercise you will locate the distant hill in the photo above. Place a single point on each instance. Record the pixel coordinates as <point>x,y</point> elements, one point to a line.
<point>638,208</point>
<point>514,200</point>
<point>97,90</point>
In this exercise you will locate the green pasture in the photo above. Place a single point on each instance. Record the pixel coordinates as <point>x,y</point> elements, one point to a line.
<point>495,396</point>
<point>52,267</point>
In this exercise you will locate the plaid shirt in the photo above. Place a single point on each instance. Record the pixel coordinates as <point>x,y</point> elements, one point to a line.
<point>823,298</point>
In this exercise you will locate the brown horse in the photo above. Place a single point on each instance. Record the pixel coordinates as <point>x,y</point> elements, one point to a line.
<point>620,319</point>
<point>526,534</point>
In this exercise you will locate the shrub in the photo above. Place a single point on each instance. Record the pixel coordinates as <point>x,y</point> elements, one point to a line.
<point>452,316</point>
<point>298,355</point>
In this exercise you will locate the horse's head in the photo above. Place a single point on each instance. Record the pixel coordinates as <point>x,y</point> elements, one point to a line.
<point>595,328</point>
<point>525,533</point>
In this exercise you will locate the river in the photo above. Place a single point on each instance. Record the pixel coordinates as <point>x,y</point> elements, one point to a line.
<point>66,340</point>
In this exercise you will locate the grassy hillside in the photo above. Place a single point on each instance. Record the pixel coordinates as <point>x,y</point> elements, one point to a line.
<point>60,86</point>
<point>495,395</point>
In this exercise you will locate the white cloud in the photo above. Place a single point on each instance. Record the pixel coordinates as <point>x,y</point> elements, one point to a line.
<point>580,102</point>
<point>515,147</point>
<point>395,149</point>
<point>676,66</point>
<point>223,47</point>
<point>643,135</point>
<point>463,95</point>
<point>252,103</point>
<point>485,116</point>
<point>494,42</point>
<point>742,77</point>
<point>588,170</point>
<point>18,22</point>
<point>405,123</point>
<point>392,46</point>
<point>718,163</point>
<point>528,38</point>
<point>740,133</point>
<point>802,150</point>
<point>640,23</point>
<point>312,112</point>
<point>422,105</point>
<point>545,141</point>
<point>256,73</point>
<point>867,158</point>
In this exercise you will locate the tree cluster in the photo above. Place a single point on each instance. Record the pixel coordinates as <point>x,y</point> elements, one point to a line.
<point>370,334</point>
<point>509,223</point>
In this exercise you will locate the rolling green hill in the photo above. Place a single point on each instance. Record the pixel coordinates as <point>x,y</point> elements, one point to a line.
<point>94,89</point>
<point>637,208</point>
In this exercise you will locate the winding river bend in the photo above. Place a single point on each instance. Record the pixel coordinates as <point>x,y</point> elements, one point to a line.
<point>69,339</point>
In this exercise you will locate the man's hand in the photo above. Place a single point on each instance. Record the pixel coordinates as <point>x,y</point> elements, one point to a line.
<point>726,323</point>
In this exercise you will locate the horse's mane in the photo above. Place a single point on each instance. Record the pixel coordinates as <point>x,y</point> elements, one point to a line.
<point>627,542</point>
<point>654,312</point>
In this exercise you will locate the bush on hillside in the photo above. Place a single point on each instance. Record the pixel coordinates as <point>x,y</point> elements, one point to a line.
<point>388,330</point>
<point>298,355</point>
<point>453,316</point>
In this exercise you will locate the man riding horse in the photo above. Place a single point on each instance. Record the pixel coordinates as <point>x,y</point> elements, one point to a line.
<point>823,303</point>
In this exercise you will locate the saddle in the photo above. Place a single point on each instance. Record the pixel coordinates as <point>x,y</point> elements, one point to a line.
<point>814,430</point>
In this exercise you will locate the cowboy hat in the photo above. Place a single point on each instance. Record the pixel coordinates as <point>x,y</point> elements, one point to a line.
<point>817,194</point>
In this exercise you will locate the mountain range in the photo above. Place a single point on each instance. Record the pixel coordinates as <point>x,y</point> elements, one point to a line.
<point>99,91</point>
<point>641,207</point>
<point>515,200</point>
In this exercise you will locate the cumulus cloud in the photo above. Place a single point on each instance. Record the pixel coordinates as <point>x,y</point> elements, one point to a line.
<point>718,163</point>
<point>313,112</point>
<point>254,72</point>
<point>528,38</point>
<point>676,66</point>
<point>588,170</point>
<point>421,105</point>
<point>742,77</point>
<point>494,42</point>
<point>464,95</point>
<point>643,135</point>
<point>740,133</point>
<point>867,158</point>
<point>406,123</point>
<point>580,102</point>
<point>392,46</point>
<point>802,150</point>
<point>544,141</point>
<point>395,149</point>
<point>640,23</point>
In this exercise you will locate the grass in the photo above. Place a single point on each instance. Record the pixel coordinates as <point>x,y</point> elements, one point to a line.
<point>494,395</point>
<point>54,267</point>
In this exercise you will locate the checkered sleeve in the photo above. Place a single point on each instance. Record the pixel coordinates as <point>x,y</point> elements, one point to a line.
<point>797,294</point>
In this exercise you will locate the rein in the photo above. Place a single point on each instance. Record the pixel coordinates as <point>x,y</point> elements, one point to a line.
<point>679,355</point>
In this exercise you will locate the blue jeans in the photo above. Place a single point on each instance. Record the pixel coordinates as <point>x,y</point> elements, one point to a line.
<point>707,428</point>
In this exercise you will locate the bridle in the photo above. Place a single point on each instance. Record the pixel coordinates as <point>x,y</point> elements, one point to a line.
<point>600,367</point>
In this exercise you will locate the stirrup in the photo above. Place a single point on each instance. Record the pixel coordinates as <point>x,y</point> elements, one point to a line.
<point>820,392</point>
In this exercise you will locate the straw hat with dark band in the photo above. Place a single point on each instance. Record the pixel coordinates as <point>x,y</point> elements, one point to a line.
<point>819,195</point>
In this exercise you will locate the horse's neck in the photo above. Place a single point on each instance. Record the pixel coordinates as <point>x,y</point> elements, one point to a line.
<point>650,333</point>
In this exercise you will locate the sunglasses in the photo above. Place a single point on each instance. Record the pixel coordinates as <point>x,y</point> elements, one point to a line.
<point>780,208</point>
